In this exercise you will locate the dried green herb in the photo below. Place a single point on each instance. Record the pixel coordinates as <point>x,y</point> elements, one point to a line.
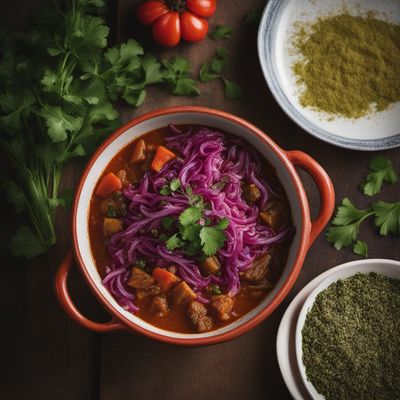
<point>351,339</point>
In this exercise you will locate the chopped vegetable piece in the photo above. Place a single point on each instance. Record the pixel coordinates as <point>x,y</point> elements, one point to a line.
<point>182,293</point>
<point>112,226</point>
<point>122,175</point>
<point>275,214</point>
<point>138,154</point>
<point>215,289</point>
<point>164,278</point>
<point>223,306</point>
<point>140,279</point>
<point>109,183</point>
<point>163,155</point>
<point>210,265</point>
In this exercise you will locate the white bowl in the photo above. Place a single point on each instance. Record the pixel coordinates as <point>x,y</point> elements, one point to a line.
<point>388,268</point>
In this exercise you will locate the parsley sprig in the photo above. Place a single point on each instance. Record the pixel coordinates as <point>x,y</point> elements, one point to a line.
<point>346,224</point>
<point>57,85</point>
<point>195,234</point>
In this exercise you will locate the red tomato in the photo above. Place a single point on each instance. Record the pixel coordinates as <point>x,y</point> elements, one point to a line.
<point>174,19</point>
<point>202,8</point>
<point>166,30</point>
<point>193,28</point>
<point>148,12</point>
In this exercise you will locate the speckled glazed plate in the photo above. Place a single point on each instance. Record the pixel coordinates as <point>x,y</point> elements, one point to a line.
<point>376,131</point>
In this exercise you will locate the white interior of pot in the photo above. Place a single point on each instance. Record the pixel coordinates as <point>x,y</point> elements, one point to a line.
<point>133,133</point>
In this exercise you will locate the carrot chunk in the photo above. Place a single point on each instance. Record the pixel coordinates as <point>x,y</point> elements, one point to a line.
<point>164,278</point>
<point>110,183</point>
<point>163,155</point>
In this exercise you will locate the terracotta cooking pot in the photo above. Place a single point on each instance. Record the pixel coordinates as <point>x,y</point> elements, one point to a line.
<point>283,161</point>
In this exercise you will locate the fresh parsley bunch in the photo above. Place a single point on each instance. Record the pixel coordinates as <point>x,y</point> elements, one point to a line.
<point>57,85</point>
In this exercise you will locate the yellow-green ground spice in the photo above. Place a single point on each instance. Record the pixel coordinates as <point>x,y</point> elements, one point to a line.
<point>351,339</point>
<point>349,65</point>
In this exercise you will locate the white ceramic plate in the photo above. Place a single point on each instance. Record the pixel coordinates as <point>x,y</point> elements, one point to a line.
<point>388,268</point>
<point>377,131</point>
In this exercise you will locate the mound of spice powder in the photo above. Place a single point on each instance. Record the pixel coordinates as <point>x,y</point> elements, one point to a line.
<point>349,65</point>
<point>351,339</point>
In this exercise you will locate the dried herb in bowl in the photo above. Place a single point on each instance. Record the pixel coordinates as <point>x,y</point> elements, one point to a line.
<point>351,339</point>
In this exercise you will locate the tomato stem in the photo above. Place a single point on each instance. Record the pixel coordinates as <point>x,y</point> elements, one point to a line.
<point>177,5</point>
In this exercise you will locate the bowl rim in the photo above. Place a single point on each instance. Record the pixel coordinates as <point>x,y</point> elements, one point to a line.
<point>293,272</point>
<point>332,276</point>
<point>265,43</point>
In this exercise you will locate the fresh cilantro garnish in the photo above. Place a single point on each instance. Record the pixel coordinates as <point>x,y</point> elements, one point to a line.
<point>215,289</point>
<point>176,74</point>
<point>360,248</point>
<point>195,234</point>
<point>174,242</point>
<point>165,190</point>
<point>347,224</point>
<point>221,32</point>
<point>212,239</point>
<point>175,184</point>
<point>190,216</point>
<point>382,171</point>
<point>387,217</point>
<point>111,211</point>
<point>57,85</point>
<point>140,263</point>
<point>167,222</point>
<point>215,68</point>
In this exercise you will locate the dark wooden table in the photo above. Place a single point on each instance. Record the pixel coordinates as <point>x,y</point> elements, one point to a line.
<point>44,355</point>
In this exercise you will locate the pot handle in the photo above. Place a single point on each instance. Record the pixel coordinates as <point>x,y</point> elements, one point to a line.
<point>325,188</point>
<point>61,288</point>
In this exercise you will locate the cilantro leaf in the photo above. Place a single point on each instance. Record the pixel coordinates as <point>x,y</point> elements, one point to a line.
<point>176,75</point>
<point>382,171</point>
<point>232,90</point>
<point>347,220</point>
<point>175,184</point>
<point>60,123</point>
<point>14,194</point>
<point>214,68</point>
<point>190,232</point>
<point>26,244</point>
<point>167,222</point>
<point>174,242</point>
<point>387,217</point>
<point>165,190</point>
<point>347,213</point>
<point>190,216</point>
<point>212,239</point>
<point>223,223</point>
<point>360,248</point>
<point>221,32</point>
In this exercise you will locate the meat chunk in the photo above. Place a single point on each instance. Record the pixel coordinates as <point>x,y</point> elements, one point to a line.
<point>138,154</point>
<point>122,175</point>
<point>197,312</point>
<point>153,290</point>
<point>159,305</point>
<point>251,193</point>
<point>205,324</point>
<point>140,279</point>
<point>111,226</point>
<point>275,214</point>
<point>223,306</point>
<point>210,265</point>
<point>258,270</point>
<point>182,293</point>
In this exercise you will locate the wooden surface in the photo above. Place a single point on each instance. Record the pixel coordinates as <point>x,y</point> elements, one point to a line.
<point>44,355</point>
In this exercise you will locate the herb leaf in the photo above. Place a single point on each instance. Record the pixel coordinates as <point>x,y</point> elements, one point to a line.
<point>26,243</point>
<point>360,248</point>
<point>212,239</point>
<point>232,90</point>
<point>176,74</point>
<point>382,171</point>
<point>387,217</point>
<point>175,185</point>
<point>167,222</point>
<point>221,32</point>
<point>174,242</point>
<point>190,216</point>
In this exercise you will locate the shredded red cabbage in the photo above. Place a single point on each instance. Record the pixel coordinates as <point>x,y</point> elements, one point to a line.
<point>214,165</point>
